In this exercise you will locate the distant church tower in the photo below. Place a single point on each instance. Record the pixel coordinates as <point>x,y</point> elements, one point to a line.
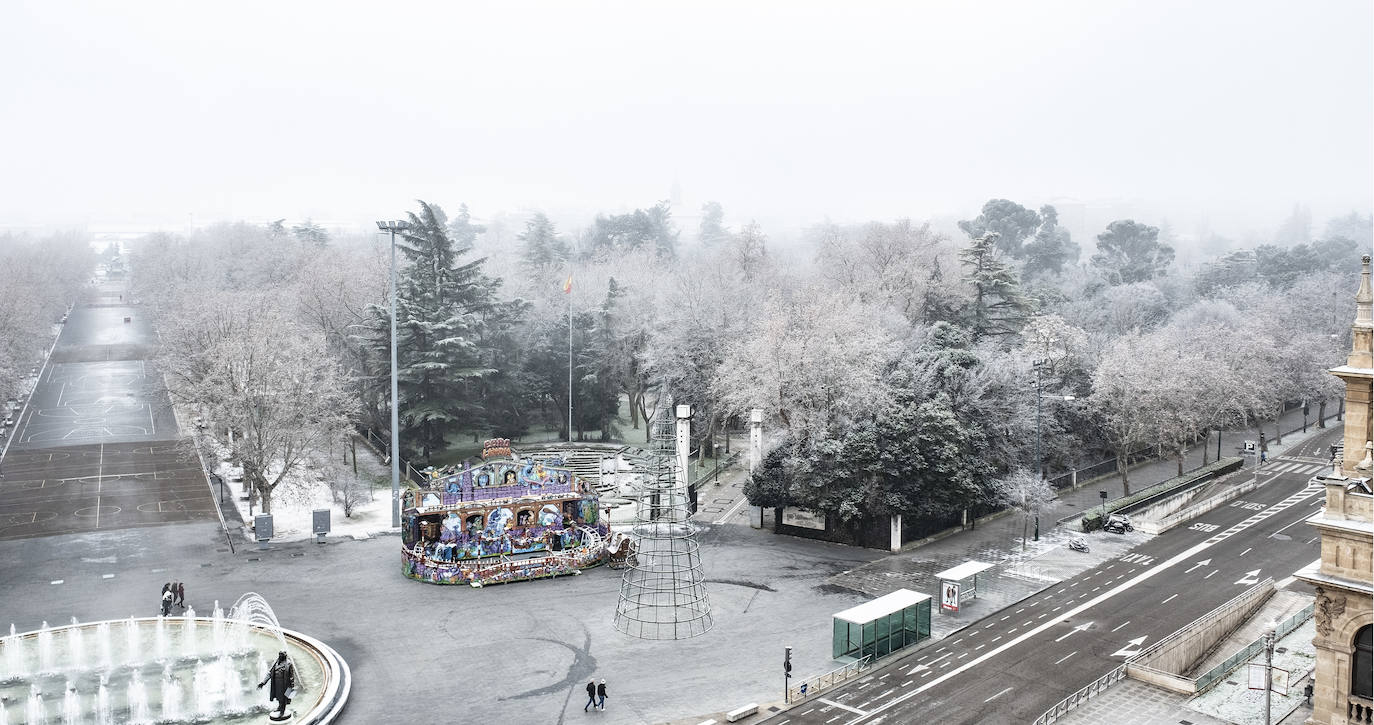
<point>1344,577</point>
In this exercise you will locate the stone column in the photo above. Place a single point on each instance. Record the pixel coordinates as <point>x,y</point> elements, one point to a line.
<point>684,443</point>
<point>896,533</point>
<point>755,459</point>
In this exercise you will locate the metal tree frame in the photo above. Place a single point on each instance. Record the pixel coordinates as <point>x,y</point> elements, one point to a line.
<point>663,591</point>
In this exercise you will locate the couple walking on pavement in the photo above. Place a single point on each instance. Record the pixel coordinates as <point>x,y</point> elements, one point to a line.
<point>596,695</point>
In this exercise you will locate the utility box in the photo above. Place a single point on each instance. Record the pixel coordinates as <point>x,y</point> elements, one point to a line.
<point>321,521</point>
<point>262,528</point>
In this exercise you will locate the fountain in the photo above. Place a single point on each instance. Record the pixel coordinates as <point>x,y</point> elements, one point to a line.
<point>197,670</point>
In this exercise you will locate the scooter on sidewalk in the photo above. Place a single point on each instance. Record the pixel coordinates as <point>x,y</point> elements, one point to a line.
<point>1078,544</point>
<point>1118,524</point>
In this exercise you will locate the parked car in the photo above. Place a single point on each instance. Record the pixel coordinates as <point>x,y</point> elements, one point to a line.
<point>9,420</point>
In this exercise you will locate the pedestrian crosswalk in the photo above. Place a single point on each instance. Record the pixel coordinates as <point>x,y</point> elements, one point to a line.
<point>1282,465</point>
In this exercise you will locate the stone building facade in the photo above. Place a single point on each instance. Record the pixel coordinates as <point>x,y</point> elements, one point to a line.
<point>1344,578</point>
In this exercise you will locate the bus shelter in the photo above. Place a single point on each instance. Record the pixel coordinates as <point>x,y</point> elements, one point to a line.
<point>959,583</point>
<point>882,626</point>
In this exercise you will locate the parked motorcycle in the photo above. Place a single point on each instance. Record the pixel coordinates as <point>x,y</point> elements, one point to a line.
<point>1078,544</point>
<point>1118,524</point>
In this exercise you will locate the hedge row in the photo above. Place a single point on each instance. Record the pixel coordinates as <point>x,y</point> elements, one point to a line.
<point>1093,521</point>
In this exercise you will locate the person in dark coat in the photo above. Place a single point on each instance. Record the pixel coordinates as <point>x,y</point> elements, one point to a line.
<point>282,675</point>
<point>181,594</point>
<point>591,695</point>
<point>601,695</point>
<point>167,597</point>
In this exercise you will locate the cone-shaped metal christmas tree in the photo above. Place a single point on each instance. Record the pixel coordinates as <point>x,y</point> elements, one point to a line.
<point>663,592</point>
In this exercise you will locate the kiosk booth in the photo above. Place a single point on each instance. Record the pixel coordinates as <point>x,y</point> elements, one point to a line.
<point>959,583</point>
<point>882,626</point>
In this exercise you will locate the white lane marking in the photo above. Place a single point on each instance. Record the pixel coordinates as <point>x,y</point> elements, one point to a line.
<point>1295,523</point>
<point>912,671</point>
<point>833,719</point>
<point>884,676</point>
<point>1209,576</point>
<point>996,638</point>
<point>1003,619</point>
<point>1104,596</point>
<point>808,712</point>
<point>904,684</point>
<point>1170,599</point>
<point>1123,624</point>
<point>842,707</point>
<point>1061,659</point>
<point>994,697</point>
<point>975,649</point>
<point>57,581</point>
<point>107,576</point>
<point>731,511</point>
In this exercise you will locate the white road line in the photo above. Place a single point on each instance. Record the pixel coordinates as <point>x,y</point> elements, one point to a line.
<point>1057,608</point>
<point>932,663</point>
<point>994,697</point>
<point>57,581</point>
<point>1085,606</point>
<point>808,712</point>
<point>833,719</point>
<point>99,471</point>
<point>1209,576</point>
<point>107,576</point>
<point>1170,599</point>
<point>1295,523</point>
<point>904,684</point>
<point>1123,624</point>
<point>975,649</point>
<point>884,675</point>
<point>842,707</point>
<point>961,656</point>
<point>996,638</point>
<point>1061,659</point>
<point>1003,619</point>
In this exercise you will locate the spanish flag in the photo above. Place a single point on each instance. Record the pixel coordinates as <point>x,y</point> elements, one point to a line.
<point>567,286</point>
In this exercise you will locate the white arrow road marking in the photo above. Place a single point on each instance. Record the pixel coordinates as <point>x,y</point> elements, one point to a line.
<point>1250,578</point>
<point>1127,651</point>
<point>1202,563</point>
<point>1080,628</point>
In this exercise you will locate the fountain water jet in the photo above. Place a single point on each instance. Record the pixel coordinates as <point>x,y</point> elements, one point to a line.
<point>171,695</point>
<point>45,649</point>
<point>138,700</point>
<point>76,645</point>
<point>71,706</point>
<point>34,713</point>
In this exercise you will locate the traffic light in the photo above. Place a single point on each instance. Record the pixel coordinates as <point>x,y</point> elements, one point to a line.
<point>787,661</point>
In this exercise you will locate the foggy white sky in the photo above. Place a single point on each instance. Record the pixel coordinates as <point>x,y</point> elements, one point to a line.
<point>148,112</point>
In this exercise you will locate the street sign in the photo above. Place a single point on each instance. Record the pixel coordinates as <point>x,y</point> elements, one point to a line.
<point>949,596</point>
<point>262,526</point>
<point>1278,682</point>
<point>1251,447</point>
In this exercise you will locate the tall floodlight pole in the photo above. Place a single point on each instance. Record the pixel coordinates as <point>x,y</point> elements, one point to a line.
<point>393,227</point>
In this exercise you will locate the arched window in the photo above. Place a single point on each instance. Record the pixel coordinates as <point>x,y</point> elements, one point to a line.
<point>1361,672</point>
<point>524,518</point>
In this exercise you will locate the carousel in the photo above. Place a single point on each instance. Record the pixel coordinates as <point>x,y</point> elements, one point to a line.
<point>508,519</point>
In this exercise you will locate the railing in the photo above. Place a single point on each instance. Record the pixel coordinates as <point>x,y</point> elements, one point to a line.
<point>1210,677</point>
<point>1359,709</point>
<point>830,679</point>
<point>1067,704</point>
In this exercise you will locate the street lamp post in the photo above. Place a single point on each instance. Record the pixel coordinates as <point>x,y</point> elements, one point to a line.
<point>1039,458</point>
<point>393,227</point>
<point>1269,632</point>
<point>715,453</point>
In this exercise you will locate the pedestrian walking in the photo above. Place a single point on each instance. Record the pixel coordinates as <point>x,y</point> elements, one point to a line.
<point>591,695</point>
<point>167,598</point>
<point>181,594</point>
<point>601,695</point>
